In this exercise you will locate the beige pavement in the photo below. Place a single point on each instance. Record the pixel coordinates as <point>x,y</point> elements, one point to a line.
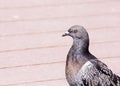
<point>32,51</point>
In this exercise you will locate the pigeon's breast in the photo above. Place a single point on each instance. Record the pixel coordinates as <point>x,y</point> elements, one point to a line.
<point>73,66</point>
<point>71,72</point>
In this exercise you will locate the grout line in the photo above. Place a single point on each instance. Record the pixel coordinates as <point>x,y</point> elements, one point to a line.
<point>63,17</point>
<point>30,65</point>
<point>53,46</point>
<point>34,48</point>
<point>48,63</point>
<point>105,42</point>
<point>48,80</point>
<point>58,31</point>
<point>54,5</point>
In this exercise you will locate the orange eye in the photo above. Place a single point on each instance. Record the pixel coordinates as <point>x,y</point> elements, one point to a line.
<point>75,31</point>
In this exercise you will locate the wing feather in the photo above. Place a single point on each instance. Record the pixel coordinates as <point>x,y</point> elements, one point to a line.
<point>96,73</point>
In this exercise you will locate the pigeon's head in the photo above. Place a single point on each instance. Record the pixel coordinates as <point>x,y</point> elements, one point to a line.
<point>77,32</point>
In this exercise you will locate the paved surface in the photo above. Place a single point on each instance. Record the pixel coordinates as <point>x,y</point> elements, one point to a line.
<point>32,51</point>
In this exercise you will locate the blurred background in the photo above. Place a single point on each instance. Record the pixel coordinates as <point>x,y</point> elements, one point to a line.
<point>32,51</point>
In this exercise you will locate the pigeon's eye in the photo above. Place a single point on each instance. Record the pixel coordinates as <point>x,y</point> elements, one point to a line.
<point>75,31</point>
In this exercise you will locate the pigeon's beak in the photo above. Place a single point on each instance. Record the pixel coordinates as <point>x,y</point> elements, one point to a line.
<point>66,34</point>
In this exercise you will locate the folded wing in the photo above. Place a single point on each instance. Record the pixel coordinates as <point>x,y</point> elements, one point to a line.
<point>96,73</point>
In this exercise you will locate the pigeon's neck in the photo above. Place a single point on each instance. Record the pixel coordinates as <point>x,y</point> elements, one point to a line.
<point>81,46</point>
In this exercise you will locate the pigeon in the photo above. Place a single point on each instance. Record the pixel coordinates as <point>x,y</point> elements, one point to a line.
<point>83,68</point>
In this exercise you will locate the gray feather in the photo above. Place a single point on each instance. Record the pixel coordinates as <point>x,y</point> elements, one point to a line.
<point>84,69</point>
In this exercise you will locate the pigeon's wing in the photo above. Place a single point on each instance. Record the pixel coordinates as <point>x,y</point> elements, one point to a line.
<point>106,72</point>
<point>96,73</point>
<point>102,67</point>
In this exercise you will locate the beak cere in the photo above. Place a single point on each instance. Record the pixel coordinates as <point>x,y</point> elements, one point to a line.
<point>65,34</point>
